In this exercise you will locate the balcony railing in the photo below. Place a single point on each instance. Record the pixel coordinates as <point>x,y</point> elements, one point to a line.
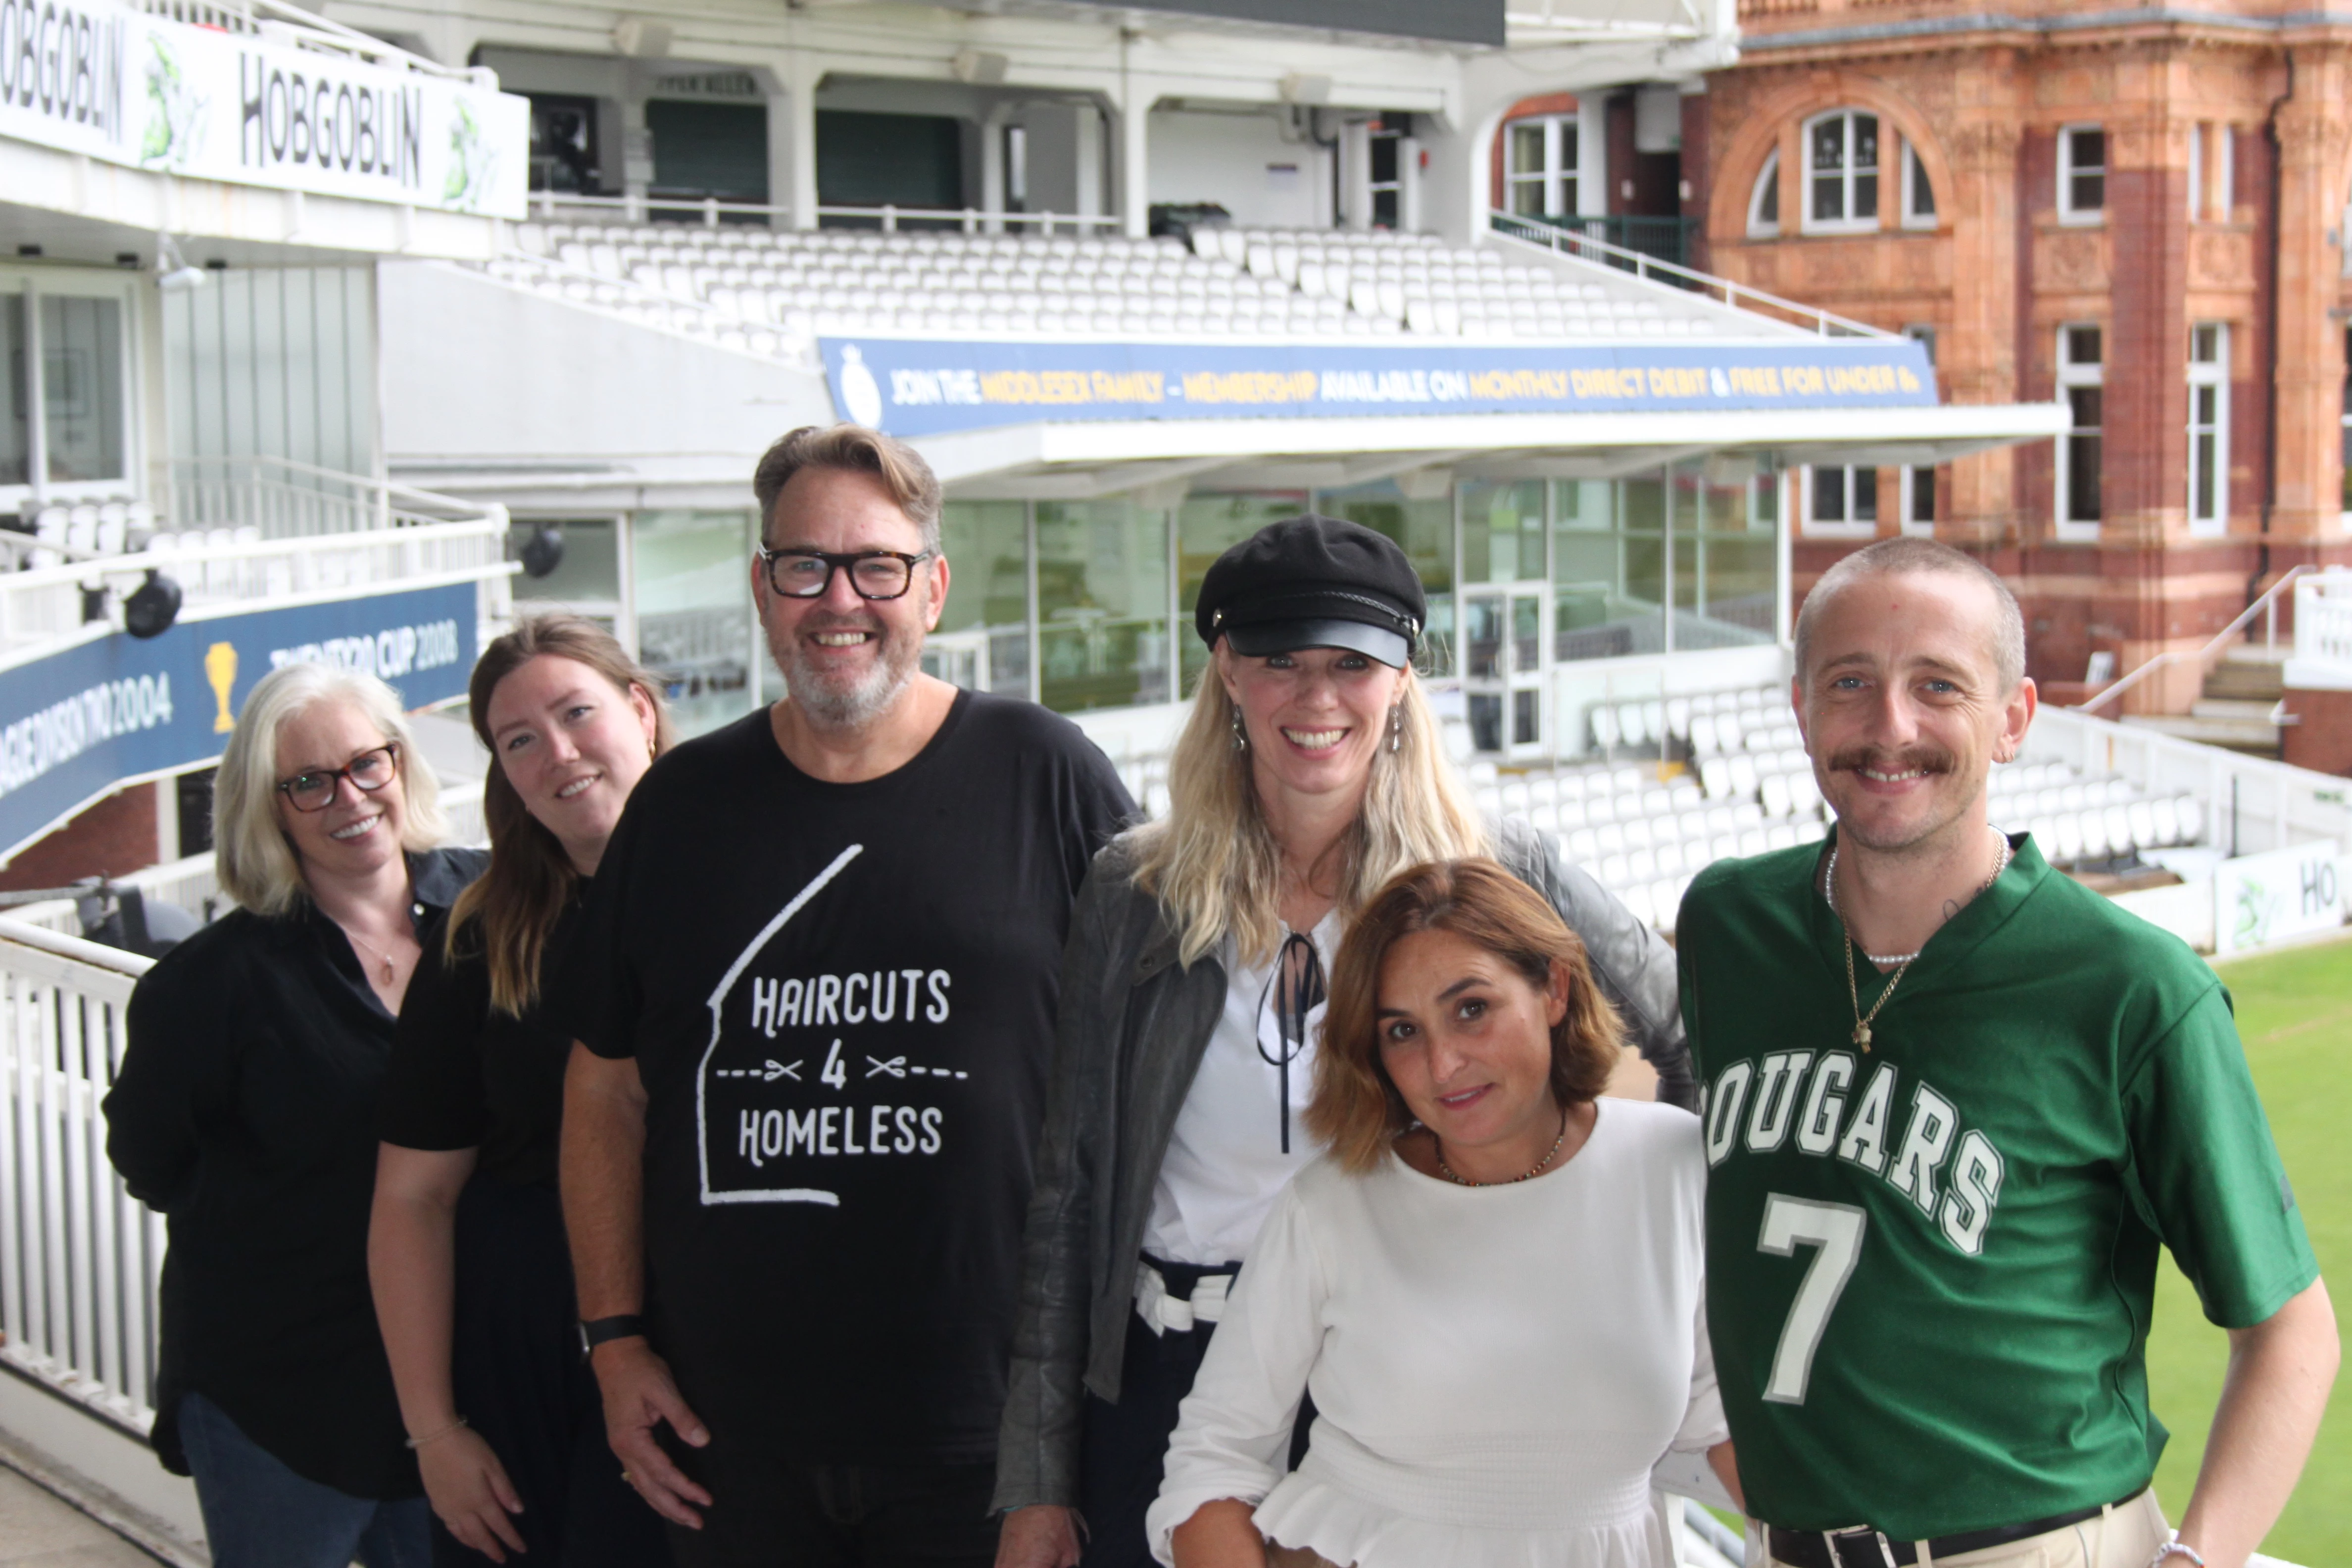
<point>1660,238</point>
<point>550,206</point>
<point>247,528</point>
<point>79,1256</point>
<point>1548,234</point>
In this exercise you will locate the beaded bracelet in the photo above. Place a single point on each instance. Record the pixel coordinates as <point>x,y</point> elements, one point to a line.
<point>2176,1549</point>
<point>415,1443</point>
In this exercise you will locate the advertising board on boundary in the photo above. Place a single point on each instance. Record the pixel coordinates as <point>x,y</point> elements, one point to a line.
<point>2262,899</point>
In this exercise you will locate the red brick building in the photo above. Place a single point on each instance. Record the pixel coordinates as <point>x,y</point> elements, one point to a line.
<point>2140,218</point>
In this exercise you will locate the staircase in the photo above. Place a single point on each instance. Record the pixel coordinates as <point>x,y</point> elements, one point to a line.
<point>2240,708</point>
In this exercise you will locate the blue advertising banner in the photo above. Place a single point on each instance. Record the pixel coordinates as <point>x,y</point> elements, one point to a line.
<point>928,387</point>
<point>75,723</point>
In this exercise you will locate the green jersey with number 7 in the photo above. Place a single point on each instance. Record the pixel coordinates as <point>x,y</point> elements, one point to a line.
<point>1931,1255</point>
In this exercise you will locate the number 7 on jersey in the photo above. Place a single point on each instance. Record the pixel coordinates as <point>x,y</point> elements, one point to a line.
<point>1837,1230</point>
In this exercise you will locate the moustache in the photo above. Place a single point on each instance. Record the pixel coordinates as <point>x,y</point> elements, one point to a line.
<point>1926,759</point>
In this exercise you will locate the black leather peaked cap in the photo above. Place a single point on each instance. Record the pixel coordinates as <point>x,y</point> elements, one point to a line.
<point>1313,582</point>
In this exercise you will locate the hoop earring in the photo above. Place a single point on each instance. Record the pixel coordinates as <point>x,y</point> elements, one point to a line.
<point>1396,729</point>
<point>1241,735</point>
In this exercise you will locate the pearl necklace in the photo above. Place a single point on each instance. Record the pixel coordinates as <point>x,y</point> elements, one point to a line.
<point>1829,896</point>
<point>1550,1154</point>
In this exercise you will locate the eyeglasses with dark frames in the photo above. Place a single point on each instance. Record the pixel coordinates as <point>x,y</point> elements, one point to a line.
<point>314,790</point>
<point>874,573</point>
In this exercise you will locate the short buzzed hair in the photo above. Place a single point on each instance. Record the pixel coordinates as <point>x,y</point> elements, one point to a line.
<point>853,449</point>
<point>1891,557</point>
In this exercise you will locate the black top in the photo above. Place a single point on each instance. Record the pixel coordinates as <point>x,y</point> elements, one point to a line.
<point>465,1075</point>
<point>841,1000</point>
<point>245,1110</point>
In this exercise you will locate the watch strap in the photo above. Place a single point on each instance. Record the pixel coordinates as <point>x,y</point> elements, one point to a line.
<point>603,1330</point>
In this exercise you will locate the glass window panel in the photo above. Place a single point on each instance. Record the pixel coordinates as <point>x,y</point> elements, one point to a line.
<point>983,638</point>
<point>83,391</point>
<point>1828,197</point>
<point>15,402</point>
<point>1502,532</point>
<point>1486,720</point>
<point>1768,202</point>
<point>694,611</point>
<point>1102,605</point>
<point>1527,635</point>
<point>1828,495</point>
<point>2205,498</point>
<point>2083,345</point>
<point>1865,142</point>
<point>1528,197</point>
<point>1425,531</point>
<point>1206,527</point>
<point>1526,731</point>
<point>1481,639</point>
<point>1923,495</point>
<point>588,578</point>
<point>1923,194</point>
<point>1527,147</point>
<point>1865,195</point>
<point>1829,144</point>
<point>1866,495</point>
<point>1741,579</point>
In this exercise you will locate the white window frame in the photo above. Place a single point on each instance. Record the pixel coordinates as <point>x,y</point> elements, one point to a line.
<point>85,283</point>
<point>1914,180</point>
<point>1850,527</point>
<point>2214,375</point>
<point>2067,211</point>
<point>1914,481</point>
<point>1849,223</point>
<point>2066,529</point>
<point>1767,183</point>
<point>1562,181</point>
<point>2195,171</point>
<point>2225,172</point>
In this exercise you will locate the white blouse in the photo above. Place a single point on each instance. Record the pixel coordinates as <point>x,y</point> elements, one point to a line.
<point>1226,1158</point>
<point>1496,1370</point>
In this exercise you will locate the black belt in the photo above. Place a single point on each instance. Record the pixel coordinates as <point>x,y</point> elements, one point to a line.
<point>1862,1547</point>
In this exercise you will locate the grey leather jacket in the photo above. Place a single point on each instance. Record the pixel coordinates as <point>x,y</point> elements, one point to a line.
<point>1134,1025</point>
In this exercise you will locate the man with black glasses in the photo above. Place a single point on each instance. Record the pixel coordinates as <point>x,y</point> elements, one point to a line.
<point>814,998</point>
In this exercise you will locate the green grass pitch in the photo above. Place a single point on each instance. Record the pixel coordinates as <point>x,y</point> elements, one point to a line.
<point>2294,1013</point>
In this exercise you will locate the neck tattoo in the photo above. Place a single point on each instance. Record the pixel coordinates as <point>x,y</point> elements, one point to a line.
<point>1862,1021</point>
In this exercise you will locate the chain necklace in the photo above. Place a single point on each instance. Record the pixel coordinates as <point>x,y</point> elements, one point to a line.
<point>1862,1021</point>
<point>1550,1154</point>
<point>390,970</point>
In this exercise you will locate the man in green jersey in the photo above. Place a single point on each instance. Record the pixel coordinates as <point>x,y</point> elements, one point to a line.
<point>1954,1105</point>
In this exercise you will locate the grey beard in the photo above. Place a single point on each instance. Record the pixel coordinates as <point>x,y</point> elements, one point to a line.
<point>857,706</point>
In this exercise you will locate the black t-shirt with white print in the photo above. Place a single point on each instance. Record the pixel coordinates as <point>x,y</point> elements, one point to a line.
<point>840,998</point>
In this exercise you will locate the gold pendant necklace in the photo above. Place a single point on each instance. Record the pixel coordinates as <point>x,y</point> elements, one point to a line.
<point>389,970</point>
<point>1862,1021</point>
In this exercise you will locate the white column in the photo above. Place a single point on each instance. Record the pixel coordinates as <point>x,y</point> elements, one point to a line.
<point>991,168</point>
<point>1086,159</point>
<point>1135,163</point>
<point>799,193</point>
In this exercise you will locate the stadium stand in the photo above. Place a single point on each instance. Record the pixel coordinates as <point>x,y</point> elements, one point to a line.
<point>770,292</point>
<point>1685,781</point>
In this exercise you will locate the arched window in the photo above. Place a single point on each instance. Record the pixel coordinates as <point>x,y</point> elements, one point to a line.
<point>1918,196</point>
<point>1764,201</point>
<point>1841,172</point>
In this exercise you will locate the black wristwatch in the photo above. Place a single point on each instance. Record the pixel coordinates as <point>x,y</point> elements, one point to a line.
<point>627,1325</point>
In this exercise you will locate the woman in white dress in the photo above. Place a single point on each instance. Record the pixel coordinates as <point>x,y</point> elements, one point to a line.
<point>1492,1284</point>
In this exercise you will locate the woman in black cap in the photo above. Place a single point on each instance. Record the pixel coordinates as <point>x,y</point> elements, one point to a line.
<point>1309,773</point>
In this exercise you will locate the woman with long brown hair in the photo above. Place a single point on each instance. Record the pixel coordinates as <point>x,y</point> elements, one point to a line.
<point>473,1282</point>
<point>1492,1285</point>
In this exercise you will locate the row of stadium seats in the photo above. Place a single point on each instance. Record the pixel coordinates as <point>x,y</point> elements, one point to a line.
<point>1227,282</point>
<point>80,530</point>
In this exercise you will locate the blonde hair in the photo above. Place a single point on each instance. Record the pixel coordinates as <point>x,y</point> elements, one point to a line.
<point>1212,860</point>
<point>1357,1111</point>
<point>251,854</point>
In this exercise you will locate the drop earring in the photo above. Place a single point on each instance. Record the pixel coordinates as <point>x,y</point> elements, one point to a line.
<point>1396,729</point>
<point>1241,735</point>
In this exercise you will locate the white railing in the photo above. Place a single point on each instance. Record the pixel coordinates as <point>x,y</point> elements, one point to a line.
<point>2323,622</point>
<point>48,604</point>
<point>1575,245</point>
<point>2265,606</point>
<point>304,29</point>
<point>80,1258</point>
<point>549,206</point>
<point>286,500</point>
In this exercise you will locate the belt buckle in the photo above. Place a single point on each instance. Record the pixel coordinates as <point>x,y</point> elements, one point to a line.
<point>1830,1539</point>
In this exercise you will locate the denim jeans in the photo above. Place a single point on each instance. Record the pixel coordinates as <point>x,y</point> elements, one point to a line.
<point>260,1514</point>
